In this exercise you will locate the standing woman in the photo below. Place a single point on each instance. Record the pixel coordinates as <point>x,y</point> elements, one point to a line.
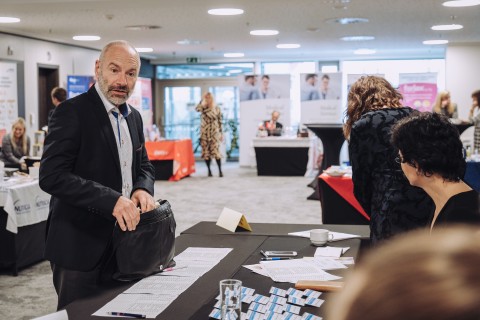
<point>445,106</point>
<point>475,119</point>
<point>15,146</point>
<point>394,206</point>
<point>210,131</point>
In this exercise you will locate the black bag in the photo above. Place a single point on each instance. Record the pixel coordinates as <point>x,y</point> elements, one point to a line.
<point>147,250</point>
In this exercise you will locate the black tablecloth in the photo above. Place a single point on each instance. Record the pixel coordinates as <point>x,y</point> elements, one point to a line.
<point>281,161</point>
<point>332,140</point>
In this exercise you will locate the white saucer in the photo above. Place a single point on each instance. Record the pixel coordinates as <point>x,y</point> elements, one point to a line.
<point>318,244</point>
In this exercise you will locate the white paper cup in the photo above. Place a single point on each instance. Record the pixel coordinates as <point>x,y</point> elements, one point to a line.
<point>320,237</point>
<point>34,172</point>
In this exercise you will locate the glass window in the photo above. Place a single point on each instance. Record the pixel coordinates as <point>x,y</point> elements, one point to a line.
<point>198,71</point>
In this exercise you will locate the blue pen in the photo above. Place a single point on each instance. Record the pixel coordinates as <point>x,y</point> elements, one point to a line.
<point>125,314</point>
<point>276,258</point>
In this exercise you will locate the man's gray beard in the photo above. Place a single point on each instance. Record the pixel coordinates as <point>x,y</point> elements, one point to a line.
<point>114,100</point>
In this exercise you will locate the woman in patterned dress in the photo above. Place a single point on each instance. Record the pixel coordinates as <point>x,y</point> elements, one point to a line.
<point>210,131</point>
<point>475,119</point>
<point>394,206</point>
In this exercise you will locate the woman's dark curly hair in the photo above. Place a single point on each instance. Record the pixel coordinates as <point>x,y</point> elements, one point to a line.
<point>431,143</point>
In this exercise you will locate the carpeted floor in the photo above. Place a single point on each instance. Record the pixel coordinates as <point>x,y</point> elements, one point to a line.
<point>193,199</point>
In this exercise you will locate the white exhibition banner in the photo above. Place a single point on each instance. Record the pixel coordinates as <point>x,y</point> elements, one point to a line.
<point>321,98</point>
<point>260,95</point>
<point>8,96</point>
<point>419,90</point>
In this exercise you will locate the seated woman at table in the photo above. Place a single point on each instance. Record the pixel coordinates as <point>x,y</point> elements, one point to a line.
<point>394,206</point>
<point>15,146</point>
<point>417,277</point>
<point>432,157</point>
<point>444,105</point>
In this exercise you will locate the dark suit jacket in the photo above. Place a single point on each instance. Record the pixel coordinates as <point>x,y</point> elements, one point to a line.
<point>80,168</point>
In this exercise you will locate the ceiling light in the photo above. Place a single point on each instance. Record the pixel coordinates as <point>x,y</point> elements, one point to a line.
<point>264,32</point>
<point>357,38</point>
<point>233,55</point>
<point>461,3</point>
<point>365,51</point>
<point>86,38</point>
<point>216,67</point>
<point>225,12</point>
<point>144,49</point>
<point>9,20</point>
<point>288,46</point>
<point>347,20</point>
<point>445,27</point>
<point>435,42</point>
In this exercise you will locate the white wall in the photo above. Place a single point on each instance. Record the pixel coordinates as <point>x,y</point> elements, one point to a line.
<point>462,75</point>
<point>70,61</point>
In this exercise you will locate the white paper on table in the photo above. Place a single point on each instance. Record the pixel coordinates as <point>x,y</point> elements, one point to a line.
<point>186,268</point>
<point>325,263</point>
<point>328,251</point>
<point>337,236</point>
<point>162,285</point>
<point>294,270</point>
<point>145,304</point>
<point>257,268</point>
<point>345,260</point>
<point>203,254</point>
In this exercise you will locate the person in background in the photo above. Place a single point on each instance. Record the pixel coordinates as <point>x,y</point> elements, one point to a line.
<point>16,146</point>
<point>394,206</point>
<point>474,117</point>
<point>273,127</point>
<point>432,157</point>
<point>210,131</point>
<point>417,277</point>
<point>444,105</point>
<point>249,90</point>
<point>58,95</point>
<point>96,168</point>
<point>309,90</point>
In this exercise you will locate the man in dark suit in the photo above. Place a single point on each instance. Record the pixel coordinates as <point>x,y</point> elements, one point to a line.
<point>273,127</point>
<point>96,168</point>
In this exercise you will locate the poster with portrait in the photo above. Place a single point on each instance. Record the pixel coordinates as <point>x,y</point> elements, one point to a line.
<point>320,96</point>
<point>258,99</point>
<point>141,99</point>
<point>8,97</point>
<point>78,84</point>
<point>419,90</point>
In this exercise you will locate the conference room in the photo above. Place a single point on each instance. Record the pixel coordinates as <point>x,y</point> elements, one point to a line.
<point>295,180</point>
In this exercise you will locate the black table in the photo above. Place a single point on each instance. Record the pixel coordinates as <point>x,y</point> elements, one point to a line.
<point>198,300</point>
<point>462,127</point>
<point>332,140</point>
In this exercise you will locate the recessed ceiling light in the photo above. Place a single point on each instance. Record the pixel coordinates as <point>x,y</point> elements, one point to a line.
<point>191,42</point>
<point>9,20</point>
<point>357,38</point>
<point>347,20</point>
<point>461,3</point>
<point>86,38</point>
<point>233,55</point>
<point>288,46</point>
<point>264,32</point>
<point>225,12</point>
<point>365,51</point>
<point>445,27</point>
<point>144,49</point>
<point>435,42</point>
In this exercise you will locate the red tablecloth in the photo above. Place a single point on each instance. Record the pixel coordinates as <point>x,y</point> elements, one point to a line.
<point>180,151</point>
<point>344,187</point>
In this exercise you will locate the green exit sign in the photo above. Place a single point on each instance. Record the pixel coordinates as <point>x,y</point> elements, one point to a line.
<point>192,60</point>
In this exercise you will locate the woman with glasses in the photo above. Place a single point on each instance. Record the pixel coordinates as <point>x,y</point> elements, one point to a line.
<point>432,157</point>
<point>393,204</point>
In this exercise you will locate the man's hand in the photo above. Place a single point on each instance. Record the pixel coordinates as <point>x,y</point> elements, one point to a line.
<point>126,213</point>
<point>144,200</point>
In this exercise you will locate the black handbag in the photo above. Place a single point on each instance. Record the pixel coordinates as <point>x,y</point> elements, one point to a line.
<point>147,250</point>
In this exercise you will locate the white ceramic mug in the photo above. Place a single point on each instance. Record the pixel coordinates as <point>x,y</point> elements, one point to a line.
<point>320,237</point>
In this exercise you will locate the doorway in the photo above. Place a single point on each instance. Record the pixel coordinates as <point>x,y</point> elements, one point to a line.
<point>48,78</point>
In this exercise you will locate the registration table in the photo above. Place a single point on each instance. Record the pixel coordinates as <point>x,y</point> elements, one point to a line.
<point>24,211</point>
<point>285,156</point>
<point>172,159</point>
<point>339,205</point>
<point>198,300</point>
